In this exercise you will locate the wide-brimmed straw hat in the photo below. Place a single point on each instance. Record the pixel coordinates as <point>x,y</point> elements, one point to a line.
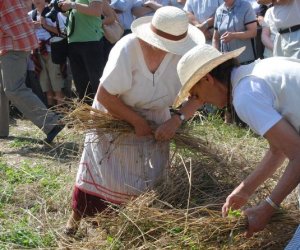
<point>196,63</point>
<point>168,30</point>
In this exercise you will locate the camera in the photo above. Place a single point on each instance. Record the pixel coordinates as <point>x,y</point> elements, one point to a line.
<point>54,10</point>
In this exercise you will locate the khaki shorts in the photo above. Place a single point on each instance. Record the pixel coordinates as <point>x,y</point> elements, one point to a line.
<point>50,76</point>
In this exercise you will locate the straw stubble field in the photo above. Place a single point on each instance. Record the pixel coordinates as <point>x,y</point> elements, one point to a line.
<point>183,212</point>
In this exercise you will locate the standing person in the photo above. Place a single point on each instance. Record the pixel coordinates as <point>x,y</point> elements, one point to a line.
<point>272,87</point>
<point>201,14</point>
<point>17,39</point>
<point>85,50</point>
<point>138,85</point>
<point>50,76</point>
<point>235,25</point>
<point>123,8</point>
<point>286,15</point>
<point>268,33</point>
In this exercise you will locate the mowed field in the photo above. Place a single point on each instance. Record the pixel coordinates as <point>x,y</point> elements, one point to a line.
<point>183,212</point>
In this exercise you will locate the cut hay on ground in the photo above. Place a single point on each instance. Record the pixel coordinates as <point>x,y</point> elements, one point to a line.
<point>184,211</point>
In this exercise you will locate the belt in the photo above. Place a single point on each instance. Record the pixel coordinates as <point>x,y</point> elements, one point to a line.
<point>247,62</point>
<point>290,29</point>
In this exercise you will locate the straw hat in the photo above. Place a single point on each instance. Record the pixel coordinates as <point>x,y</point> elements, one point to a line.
<point>196,63</point>
<point>168,30</point>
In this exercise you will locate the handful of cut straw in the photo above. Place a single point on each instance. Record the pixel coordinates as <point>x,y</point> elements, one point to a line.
<point>86,118</point>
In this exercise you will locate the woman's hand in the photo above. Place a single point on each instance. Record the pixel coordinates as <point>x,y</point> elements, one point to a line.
<point>235,200</point>
<point>227,37</point>
<point>168,129</point>
<point>142,128</point>
<point>258,217</point>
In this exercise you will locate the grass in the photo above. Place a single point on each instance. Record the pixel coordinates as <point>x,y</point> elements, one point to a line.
<point>37,183</point>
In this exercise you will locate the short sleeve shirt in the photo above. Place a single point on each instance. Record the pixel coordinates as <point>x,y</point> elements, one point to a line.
<point>202,9</point>
<point>253,101</point>
<point>86,28</point>
<point>126,17</point>
<point>235,20</point>
<point>287,15</point>
<point>127,76</point>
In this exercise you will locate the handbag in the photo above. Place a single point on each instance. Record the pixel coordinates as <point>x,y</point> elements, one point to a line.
<point>113,32</point>
<point>59,49</point>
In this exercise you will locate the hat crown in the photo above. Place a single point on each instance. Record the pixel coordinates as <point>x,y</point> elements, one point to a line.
<point>170,20</point>
<point>195,59</point>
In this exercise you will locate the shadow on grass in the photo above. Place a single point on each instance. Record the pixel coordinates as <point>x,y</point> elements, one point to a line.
<point>26,146</point>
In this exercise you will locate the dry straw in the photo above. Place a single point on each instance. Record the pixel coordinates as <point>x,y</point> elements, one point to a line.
<point>183,212</point>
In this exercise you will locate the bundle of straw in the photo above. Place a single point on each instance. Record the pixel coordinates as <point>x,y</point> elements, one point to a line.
<point>85,118</point>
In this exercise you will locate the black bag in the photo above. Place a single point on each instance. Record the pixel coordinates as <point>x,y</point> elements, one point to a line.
<point>59,49</point>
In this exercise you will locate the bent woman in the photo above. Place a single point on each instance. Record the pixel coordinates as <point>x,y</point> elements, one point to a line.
<point>138,85</point>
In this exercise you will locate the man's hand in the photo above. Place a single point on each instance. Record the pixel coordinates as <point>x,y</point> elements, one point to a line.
<point>258,217</point>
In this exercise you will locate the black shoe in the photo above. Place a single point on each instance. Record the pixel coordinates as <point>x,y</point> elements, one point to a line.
<point>3,136</point>
<point>53,133</point>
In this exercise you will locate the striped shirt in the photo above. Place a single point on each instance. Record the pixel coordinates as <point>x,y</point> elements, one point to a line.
<point>16,31</point>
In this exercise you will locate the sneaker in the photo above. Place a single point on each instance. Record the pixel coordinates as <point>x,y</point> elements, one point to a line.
<point>53,133</point>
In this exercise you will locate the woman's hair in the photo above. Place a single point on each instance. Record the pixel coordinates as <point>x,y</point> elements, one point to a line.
<point>223,74</point>
<point>223,71</point>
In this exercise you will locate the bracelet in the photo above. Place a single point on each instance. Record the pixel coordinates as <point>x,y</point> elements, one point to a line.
<point>180,115</point>
<point>272,203</point>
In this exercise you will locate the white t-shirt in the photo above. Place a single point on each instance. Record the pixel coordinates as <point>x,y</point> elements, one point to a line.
<point>253,101</point>
<point>287,15</point>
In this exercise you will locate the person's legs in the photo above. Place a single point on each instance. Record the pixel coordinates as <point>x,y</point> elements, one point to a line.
<point>21,96</point>
<point>83,204</point>
<point>93,58</point>
<point>33,82</point>
<point>4,109</point>
<point>56,81</point>
<point>78,69</point>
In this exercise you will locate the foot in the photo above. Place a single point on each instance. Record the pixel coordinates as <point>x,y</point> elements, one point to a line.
<point>53,133</point>
<point>72,224</point>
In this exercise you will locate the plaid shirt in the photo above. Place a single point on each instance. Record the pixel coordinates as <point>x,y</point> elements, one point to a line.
<point>16,31</point>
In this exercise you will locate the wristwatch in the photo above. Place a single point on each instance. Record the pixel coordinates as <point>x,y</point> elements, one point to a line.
<point>73,5</point>
<point>180,115</point>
